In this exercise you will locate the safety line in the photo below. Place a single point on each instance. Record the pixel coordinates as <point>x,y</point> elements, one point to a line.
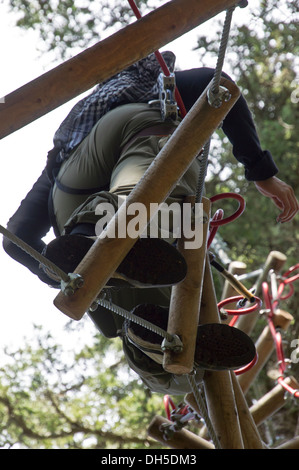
<point>162,63</point>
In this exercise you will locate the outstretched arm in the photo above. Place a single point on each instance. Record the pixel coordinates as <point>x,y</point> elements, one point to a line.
<point>282,195</point>
<point>240,129</point>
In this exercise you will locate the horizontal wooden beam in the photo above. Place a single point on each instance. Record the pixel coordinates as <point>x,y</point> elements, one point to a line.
<point>180,439</point>
<point>103,60</point>
<point>272,401</point>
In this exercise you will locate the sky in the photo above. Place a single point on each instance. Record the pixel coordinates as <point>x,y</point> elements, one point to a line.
<point>24,299</point>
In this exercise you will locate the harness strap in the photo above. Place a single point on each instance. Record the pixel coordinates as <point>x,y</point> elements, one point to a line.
<point>77,191</point>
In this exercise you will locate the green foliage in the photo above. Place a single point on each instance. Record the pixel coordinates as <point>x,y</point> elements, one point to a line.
<point>52,398</point>
<point>69,25</point>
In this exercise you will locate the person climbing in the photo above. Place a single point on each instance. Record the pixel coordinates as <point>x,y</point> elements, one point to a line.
<point>100,152</point>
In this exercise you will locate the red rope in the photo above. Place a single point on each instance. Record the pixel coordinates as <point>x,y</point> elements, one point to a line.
<point>249,366</point>
<point>275,334</point>
<point>235,215</point>
<point>241,311</point>
<point>162,63</point>
<point>168,402</point>
<point>218,219</point>
<point>213,230</point>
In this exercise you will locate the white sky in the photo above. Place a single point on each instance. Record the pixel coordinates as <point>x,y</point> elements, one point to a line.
<point>24,299</point>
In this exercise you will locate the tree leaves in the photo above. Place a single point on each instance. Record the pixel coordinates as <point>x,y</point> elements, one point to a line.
<point>53,398</point>
<point>71,25</point>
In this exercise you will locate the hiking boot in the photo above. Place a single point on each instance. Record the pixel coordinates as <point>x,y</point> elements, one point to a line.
<point>218,346</point>
<point>151,262</point>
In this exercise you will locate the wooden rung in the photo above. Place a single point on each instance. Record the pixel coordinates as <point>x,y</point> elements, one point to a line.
<point>182,439</point>
<point>264,348</point>
<point>103,60</point>
<point>157,183</point>
<point>185,302</point>
<point>271,402</point>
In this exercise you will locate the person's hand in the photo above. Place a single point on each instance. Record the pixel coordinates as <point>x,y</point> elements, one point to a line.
<point>282,195</point>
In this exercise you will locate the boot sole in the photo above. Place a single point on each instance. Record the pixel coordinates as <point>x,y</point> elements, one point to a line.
<point>222,347</point>
<point>150,263</point>
<point>218,346</point>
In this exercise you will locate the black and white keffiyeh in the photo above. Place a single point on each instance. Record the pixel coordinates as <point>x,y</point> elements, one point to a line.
<point>137,83</point>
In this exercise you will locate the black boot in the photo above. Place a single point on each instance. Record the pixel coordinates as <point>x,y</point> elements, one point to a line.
<point>218,346</point>
<point>151,262</point>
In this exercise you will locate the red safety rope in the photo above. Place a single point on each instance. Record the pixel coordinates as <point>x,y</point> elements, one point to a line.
<point>162,63</point>
<point>236,313</point>
<point>218,219</point>
<point>270,306</point>
<point>168,402</point>
<point>213,229</point>
<point>242,311</point>
<point>235,215</point>
<point>174,413</point>
<point>249,366</point>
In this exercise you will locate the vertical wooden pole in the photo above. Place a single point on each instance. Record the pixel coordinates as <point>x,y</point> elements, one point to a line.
<point>250,434</point>
<point>185,301</point>
<point>218,385</point>
<point>108,251</point>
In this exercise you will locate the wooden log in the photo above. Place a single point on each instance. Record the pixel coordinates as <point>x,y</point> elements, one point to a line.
<point>264,347</point>
<point>271,402</point>
<point>292,444</point>
<point>185,302</point>
<point>235,268</point>
<point>218,386</point>
<point>103,60</point>
<point>157,183</point>
<point>248,426</point>
<point>250,434</point>
<point>182,439</point>
<point>275,261</point>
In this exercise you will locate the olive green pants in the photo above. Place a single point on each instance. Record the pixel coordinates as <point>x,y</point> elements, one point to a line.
<point>107,164</point>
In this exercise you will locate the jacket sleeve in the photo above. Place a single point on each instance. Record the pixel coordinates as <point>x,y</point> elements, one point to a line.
<point>238,125</point>
<point>30,223</point>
